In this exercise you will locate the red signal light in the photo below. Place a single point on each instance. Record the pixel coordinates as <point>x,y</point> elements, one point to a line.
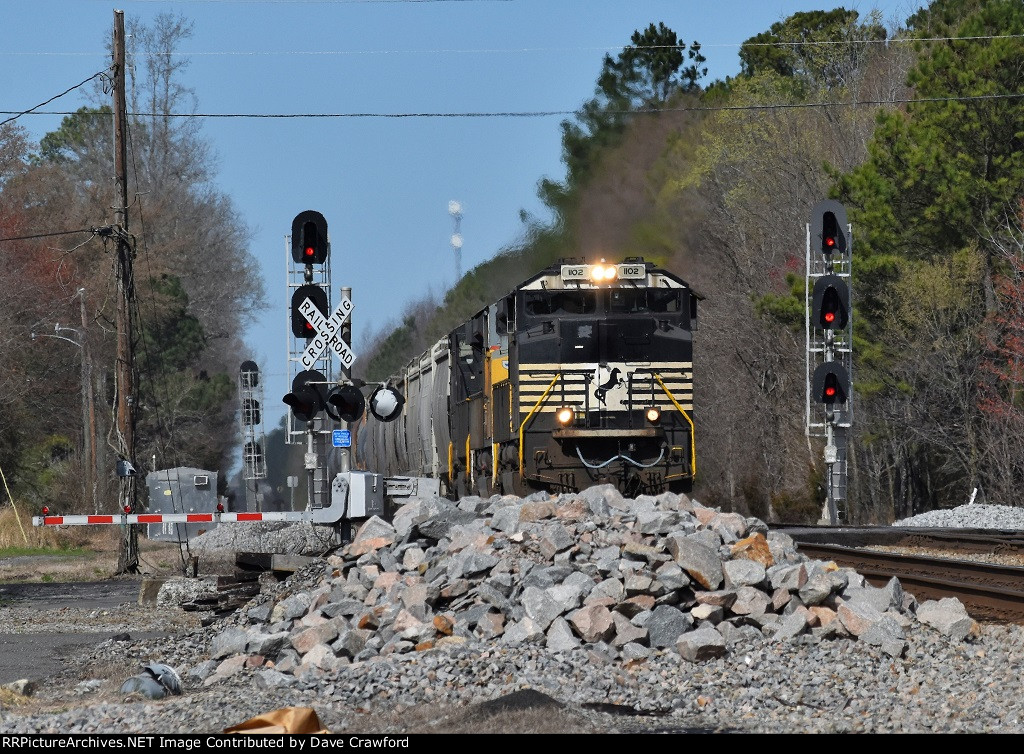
<point>830,242</point>
<point>127,509</point>
<point>46,510</point>
<point>830,391</point>
<point>309,238</point>
<point>830,317</point>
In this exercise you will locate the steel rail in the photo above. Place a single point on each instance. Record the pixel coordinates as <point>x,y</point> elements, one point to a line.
<point>989,592</point>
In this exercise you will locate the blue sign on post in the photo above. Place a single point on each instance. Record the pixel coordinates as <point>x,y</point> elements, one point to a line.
<point>341,438</point>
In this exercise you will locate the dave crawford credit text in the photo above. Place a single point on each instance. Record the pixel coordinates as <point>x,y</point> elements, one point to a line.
<point>202,742</point>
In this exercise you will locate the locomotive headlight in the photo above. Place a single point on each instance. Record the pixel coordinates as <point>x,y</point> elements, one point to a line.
<point>653,415</point>
<point>565,416</point>
<point>603,273</point>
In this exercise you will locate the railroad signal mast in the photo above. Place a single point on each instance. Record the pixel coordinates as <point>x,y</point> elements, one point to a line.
<point>829,337</point>
<point>254,462</point>
<point>309,286</point>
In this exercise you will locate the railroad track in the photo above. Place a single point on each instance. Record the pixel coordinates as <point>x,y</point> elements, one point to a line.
<point>965,541</point>
<point>990,592</point>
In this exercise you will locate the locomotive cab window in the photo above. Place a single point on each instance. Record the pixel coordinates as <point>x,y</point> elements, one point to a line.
<point>544,303</point>
<point>664,300</point>
<point>633,300</point>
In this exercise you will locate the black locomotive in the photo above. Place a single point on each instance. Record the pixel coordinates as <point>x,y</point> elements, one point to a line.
<point>581,375</point>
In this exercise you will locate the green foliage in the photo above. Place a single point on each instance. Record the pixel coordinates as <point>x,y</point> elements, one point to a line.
<point>942,169</point>
<point>787,310</point>
<point>172,338</point>
<point>941,17</point>
<point>77,133</point>
<point>924,185</point>
<point>652,69</point>
<point>644,75</point>
<point>394,352</point>
<point>44,466</point>
<point>803,47</point>
<point>936,300</point>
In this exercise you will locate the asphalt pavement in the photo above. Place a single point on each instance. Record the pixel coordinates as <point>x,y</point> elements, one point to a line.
<point>36,656</point>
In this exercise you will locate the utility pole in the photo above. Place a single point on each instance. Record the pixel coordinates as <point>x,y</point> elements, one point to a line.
<point>89,410</point>
<point>128,557</point>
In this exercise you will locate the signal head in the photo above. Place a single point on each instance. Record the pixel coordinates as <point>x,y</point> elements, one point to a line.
<point>830,303</point>
<point>309,238</point>
<point>251,414</point>
<point>306,399</point>
<point>830,384</point>
<point>828,228</point>
<point>301,327</point>
<point>345,403</point>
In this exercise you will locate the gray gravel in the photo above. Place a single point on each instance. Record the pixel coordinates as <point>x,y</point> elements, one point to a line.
<point>261,536</point>
<point>829,687</point>
<point>972,516</point>
<point>807,683</point>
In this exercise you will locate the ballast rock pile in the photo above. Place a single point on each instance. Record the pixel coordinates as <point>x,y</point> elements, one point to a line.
<point>620,577</point>
<point>970,516</point>
<point>265,536</point>
<point>691,618</point>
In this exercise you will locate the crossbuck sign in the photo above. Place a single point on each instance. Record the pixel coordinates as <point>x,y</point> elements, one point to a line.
<point>328,331</point>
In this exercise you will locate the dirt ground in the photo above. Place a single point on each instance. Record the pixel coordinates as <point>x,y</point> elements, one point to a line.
<point>55,604</point>
<point>100,561</point>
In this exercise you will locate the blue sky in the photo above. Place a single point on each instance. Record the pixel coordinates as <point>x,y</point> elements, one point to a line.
<point>383,184</point>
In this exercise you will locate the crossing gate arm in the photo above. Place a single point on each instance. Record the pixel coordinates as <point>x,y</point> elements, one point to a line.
<point>355,495</point>
<point>124,519</point>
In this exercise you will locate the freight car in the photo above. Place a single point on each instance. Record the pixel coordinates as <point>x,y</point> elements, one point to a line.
<point>581,375</point>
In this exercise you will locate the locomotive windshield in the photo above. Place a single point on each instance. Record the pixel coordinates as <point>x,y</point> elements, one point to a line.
<point>634,300</point>
<point>614,300</point>
<point>560,302</point>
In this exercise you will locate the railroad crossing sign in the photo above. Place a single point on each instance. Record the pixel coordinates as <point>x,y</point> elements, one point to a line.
<point>328,331</point>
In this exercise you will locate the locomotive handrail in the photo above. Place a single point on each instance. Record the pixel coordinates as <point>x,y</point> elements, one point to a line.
<point>693,446</point>
<point>530,416</point>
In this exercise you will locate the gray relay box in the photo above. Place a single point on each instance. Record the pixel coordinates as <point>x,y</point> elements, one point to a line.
<point>181,490</point>
<point>354,494</point>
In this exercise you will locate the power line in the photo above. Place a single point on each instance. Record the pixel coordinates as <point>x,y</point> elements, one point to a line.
<point>322,2</point>
<point>602,48</point>
<point>552,113</point>
<point>56,96</point>
<point>50,235</point>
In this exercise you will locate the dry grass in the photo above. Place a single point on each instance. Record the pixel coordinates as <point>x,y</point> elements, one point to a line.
<point>81,553</point>
<point>16,531</point>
